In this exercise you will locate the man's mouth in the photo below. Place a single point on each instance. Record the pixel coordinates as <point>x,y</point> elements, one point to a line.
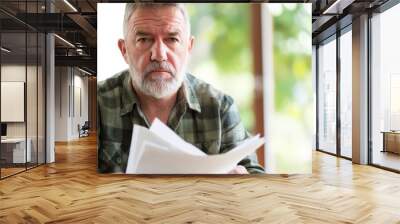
<point>160,74</point>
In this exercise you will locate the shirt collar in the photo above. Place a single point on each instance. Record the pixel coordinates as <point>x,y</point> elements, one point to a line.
<point>190,95</point>
<point>129,98</point>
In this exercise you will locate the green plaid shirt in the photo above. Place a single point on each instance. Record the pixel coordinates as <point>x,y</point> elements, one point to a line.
<point>202,116</point>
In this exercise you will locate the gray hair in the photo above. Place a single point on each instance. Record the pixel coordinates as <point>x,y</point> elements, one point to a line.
<point>131,7</point>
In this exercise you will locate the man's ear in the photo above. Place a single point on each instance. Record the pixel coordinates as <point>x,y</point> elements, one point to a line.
<point>191,43</point>
<point>122,48</point>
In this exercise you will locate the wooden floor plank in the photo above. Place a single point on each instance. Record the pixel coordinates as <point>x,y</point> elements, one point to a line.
<point>71,191</point>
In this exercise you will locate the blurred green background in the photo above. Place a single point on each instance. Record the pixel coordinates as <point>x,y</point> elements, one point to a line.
<point>222,52</point>
<point>222,56</point>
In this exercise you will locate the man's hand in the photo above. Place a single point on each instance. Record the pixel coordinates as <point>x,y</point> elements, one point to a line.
<point>239,170</point>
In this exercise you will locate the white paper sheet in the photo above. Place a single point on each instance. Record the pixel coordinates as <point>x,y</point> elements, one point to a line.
<point>170,136</point>
<point>139,136</point>
<point>160,151</point>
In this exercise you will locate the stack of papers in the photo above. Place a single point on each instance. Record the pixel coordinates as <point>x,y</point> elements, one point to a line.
<point>159,150</point>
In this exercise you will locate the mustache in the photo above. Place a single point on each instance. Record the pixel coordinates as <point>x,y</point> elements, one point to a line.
<point>159,66</point>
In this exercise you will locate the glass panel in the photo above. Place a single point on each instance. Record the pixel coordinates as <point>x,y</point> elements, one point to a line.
<point>13,86</point>
<point>14,151</point>
<point>386,89</point>
<point>346,94</point>
<point>31,97</point>
<point>23,89</point>
<point>31,87</point>
<point>41,90</point>
<point>327,97</point>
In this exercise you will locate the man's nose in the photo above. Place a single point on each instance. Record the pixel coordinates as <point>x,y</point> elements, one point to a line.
<point>159,51</point>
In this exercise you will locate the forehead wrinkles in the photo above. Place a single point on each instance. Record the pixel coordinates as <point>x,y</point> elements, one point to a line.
<point>157,25</point>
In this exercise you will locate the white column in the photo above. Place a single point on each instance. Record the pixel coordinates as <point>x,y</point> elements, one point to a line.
<point>360,90</point>
<point>50,94</point>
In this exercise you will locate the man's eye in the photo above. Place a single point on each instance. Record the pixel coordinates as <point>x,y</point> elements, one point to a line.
<point>173,39</point>
<point>143,40</point>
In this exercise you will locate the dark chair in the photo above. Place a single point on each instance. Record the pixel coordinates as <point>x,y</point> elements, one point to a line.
<point>84,130</point>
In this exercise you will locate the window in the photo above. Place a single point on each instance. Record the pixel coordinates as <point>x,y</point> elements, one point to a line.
<point>385,84</point>
<point>327,97</point>
<point>345,94</point>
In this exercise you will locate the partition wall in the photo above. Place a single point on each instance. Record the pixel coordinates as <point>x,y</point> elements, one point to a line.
<point>22,77</point>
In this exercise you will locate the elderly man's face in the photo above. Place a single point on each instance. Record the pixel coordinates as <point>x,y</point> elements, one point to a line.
<point>157,48</point>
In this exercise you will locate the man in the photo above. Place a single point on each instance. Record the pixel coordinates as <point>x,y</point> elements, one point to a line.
<point>156,46</point>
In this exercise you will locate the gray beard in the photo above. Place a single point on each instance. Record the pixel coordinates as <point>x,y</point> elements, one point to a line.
<point>157,88</point>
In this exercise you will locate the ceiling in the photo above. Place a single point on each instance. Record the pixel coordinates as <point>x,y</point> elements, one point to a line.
<point>329,16</point>
<point>75,43</point>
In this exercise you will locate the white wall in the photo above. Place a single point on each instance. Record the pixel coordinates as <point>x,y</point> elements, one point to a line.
<point>70,83</point>
<point>61,103</point>
<point>14,73</point>
<point>79,117</point>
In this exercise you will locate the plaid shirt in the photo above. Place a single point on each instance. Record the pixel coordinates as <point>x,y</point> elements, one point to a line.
<point>202,116</point>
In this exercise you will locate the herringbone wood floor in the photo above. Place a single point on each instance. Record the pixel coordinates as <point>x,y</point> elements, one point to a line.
<point>70,191</point>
